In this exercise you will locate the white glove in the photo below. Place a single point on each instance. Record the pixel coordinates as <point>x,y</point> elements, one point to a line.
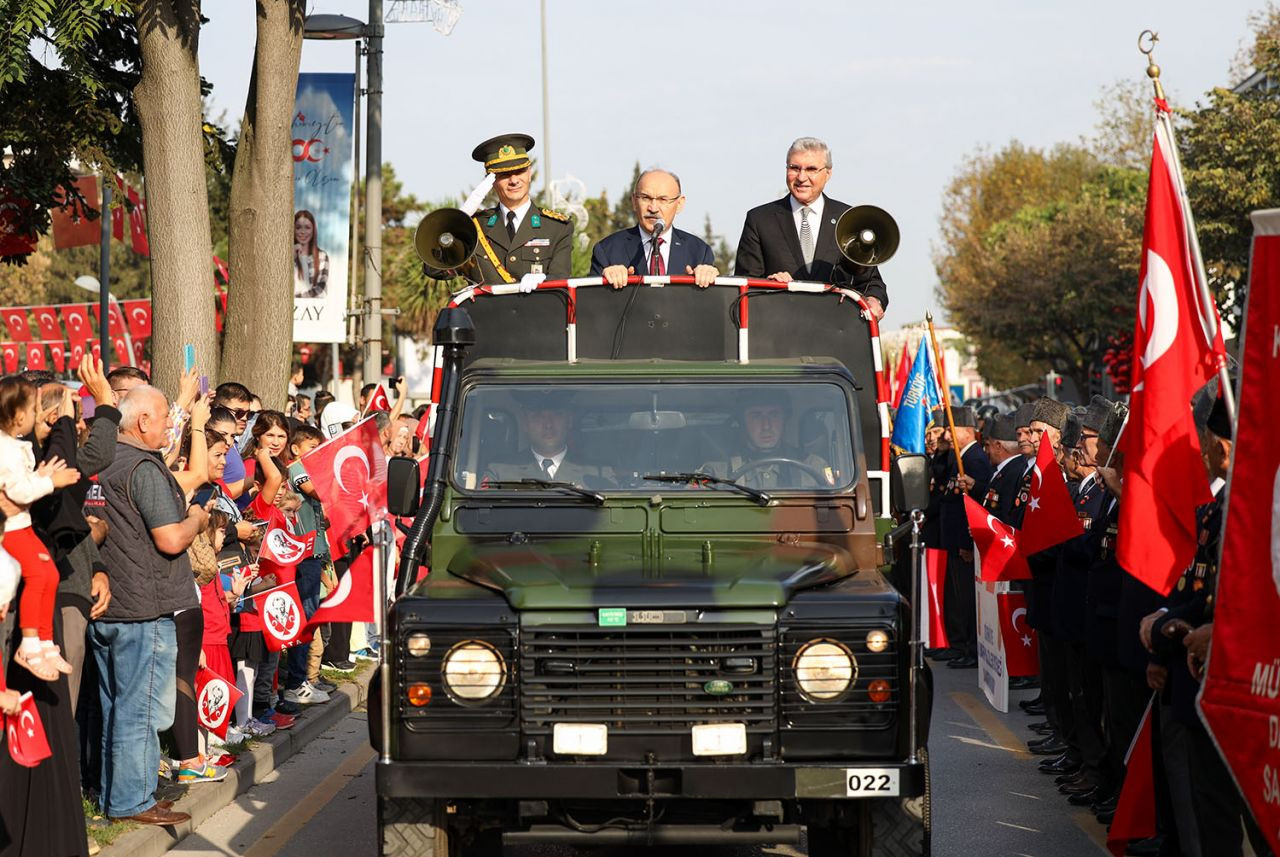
<point>529,282</point>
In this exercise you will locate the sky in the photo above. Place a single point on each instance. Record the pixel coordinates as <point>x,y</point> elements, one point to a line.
<point>715,90</point>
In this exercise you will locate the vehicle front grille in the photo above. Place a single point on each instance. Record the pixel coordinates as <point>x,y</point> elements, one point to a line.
<point>854,710</point>
<point>648,680</point>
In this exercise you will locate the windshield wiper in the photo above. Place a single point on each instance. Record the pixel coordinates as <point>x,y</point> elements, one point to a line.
<point>707,479</point>
<point>543,484</point>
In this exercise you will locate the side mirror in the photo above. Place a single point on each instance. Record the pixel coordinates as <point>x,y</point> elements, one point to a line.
<point>404,486</point>
<point>909,482</point>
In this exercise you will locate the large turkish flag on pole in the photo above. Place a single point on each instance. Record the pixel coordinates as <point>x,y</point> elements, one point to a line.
<point>1050,517</point>
<point>350,475</point>
<point>1240,698</point>
<point>1173,357</point>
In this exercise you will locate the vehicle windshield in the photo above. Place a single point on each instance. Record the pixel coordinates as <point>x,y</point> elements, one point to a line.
<point>617,436</point>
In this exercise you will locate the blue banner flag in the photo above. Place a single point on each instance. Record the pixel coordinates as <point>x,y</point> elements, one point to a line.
<point>916,411</point>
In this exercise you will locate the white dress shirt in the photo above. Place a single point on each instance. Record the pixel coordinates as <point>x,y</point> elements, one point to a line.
<point>555,462</point>
<point>521,210</point>
<point>647,241</point>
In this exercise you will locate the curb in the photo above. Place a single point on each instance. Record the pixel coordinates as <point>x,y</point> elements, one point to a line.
<point>249,770</point>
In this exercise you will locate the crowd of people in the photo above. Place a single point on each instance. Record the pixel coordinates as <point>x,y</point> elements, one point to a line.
<point>1107,642</point>
<point>129,562</point>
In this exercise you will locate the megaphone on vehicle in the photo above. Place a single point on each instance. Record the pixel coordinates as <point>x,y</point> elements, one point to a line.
<point>446,239</point>
<point>867,235</point>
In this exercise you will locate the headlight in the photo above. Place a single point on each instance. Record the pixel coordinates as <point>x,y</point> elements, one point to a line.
<point>419,645</point>
<point>824,669</point>
<point>877,641</point>
<point>473,671</point>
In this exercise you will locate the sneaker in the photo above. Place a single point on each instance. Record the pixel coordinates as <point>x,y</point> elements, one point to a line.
<point>320,684</point>
<point>306,694</point>
<point>369,654</point>
<point>257,728</point>
<point>280,719</point>
<point>290,708</point>
<point>226,760</point>
<point>167,767</point>
<point>206,773</point>
<point>339,666</point>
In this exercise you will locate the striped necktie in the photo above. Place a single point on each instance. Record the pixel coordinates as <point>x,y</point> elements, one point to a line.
<point>656,266</point>
<point>806,236</point>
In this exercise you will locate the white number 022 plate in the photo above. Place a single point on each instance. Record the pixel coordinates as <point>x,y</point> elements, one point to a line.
<point>871,782</point>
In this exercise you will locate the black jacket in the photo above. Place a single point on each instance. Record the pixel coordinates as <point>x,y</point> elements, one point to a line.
<point>1070,602</point>
<point>954,519</point>
<point>627,248</point>
<point>1003,489</point>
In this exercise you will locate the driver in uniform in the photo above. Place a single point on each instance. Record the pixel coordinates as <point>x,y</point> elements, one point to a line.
<point>763,462</point>
<point>546,418</point>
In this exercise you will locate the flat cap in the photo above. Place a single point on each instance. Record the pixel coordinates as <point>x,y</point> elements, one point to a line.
<point>1050,412</point>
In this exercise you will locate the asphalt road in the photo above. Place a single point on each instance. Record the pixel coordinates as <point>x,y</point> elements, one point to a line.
<point>988,797</point>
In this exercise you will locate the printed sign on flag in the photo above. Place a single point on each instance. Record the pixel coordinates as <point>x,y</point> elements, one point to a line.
<point>282,618</point>
<point>216,698</point>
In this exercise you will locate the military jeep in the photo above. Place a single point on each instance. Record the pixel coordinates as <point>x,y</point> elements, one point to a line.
<point>647,620</point>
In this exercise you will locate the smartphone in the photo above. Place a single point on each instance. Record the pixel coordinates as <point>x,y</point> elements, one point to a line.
<point>189,357</point>
<point>204,385</point>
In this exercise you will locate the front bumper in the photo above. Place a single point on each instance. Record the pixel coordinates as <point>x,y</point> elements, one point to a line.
<point>464,780</point>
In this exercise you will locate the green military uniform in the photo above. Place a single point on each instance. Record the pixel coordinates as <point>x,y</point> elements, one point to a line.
<point>768,477</point>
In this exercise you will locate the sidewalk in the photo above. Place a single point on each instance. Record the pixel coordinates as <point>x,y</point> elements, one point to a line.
<point>250,768</point>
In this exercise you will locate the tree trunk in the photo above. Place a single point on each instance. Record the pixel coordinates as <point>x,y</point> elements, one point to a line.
<point>170,112</point>
<point>259,327</point>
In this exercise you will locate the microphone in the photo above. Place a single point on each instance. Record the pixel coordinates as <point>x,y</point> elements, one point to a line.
<point>659,227</point>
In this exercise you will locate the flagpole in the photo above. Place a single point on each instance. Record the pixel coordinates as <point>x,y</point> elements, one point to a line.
<point>946,392</point>
<point>1208,310</point>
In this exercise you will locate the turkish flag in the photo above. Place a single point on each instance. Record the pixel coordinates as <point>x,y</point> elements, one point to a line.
<point>139,353</point>
<point>216,698</point>
<point>13,210</point>
<point>1239,700</point>
<point>1021,645</point>
<point>115,323</point>
<point>1136,811</point>
<point>47,320</point>
<point>138,316</point>
<point>12,353</point>
<point>123,354</point>
<point>15,318</point>
<point>350,475</point>
<point>58,354</point>
<point>423,431</point>
<point>378,401</point>
<point>900,378</point>
<point>997,544</point>
<point>76,318</point>
<point>27,742</point>
<point>77,353</point>
<point>35,356</point>
<point>280,546</point>
<point>283,621</point>
<point>352,601</point>
<point>71,224</point>
<point>935,570</point>
<point>1164,476</point>
<point>1050,517</point>
<point>138,223</point>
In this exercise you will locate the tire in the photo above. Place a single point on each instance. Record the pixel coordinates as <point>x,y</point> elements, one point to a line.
<point>411,827</point>
<point>887,827</point>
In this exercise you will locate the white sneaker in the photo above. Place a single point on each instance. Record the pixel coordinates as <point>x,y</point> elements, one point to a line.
<point>306,694</point>
<point>258,728</point>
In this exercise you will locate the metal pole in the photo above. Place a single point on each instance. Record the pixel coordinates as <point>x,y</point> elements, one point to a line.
<point>917,648</point>
<point>104,277</point>
<point>373,201</point>
<point>355,223</point>
<point>380,612</point>
<point>546,115</point>
<point>946,393</point>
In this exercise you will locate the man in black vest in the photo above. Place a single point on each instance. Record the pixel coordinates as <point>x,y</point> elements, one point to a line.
<point>134,642</point>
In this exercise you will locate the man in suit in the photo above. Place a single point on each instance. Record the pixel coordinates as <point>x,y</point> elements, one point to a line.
<point>656,199</point>
<point>547,419</point>
<point>793,238</point>
<point>960,602</point>
<point>519,241</point>
<point>1001,444</point>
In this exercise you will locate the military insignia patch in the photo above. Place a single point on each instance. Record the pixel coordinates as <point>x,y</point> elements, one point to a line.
<point>506,151</point>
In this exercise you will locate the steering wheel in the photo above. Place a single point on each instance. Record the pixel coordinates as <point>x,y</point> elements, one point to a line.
<point>819,477</point>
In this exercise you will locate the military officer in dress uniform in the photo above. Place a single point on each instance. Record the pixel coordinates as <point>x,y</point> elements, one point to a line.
<point>516,236</point>
<point>764,463</point>
<point>1001,443</point>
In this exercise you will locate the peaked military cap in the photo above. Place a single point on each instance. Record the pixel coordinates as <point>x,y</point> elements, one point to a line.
<point>1002,428</point>
<point>965,417</point>
<point>1095,415</point>
<point>1219,423</point>
<point>1050,412</point>
<point>1075,422</point>
<point>1022,416</point>
<point>506,153</point>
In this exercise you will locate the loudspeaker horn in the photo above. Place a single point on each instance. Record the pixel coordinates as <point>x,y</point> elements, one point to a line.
<point>867,235</point>
<point>446,239</point>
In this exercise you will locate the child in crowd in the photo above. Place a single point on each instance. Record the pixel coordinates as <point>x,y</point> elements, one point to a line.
<point>24,483</point>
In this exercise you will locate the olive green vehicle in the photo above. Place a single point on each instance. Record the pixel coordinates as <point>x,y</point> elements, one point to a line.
<point>655,612</point>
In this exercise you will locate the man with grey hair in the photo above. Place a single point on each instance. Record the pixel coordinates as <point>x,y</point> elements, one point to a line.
<point>654,247</point>
<point>794,238</point>
<point>150,527</point>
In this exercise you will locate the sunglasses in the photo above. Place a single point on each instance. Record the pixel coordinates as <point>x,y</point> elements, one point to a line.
<point>240,413</point>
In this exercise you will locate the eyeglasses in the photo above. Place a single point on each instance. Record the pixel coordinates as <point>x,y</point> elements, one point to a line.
<point>240,413</point>
<point>809,172</point>
<point>649,200</point>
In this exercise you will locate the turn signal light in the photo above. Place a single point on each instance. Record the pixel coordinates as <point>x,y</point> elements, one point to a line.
<point>419,694</point>
<point>878,690</point>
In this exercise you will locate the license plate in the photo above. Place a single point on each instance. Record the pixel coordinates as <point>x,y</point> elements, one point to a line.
<point>719,739</point>
<point>871,782</point>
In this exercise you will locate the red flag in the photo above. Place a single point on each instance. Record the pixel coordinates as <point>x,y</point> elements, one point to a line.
<point>283,621</point>
<point>12,353</point>
<point>997,544</point>
<point>936,571</point>
<point>1050,517</point>
<point>139,353</point>
<point>378,401</point>
<point>77,353</point>
<point>1021,645</point>
<point>350,475</point>
<point>71,225</point>
<point>221,272</point>
<point>15,318</point>
<point>138,223</point>
<point>35,356</point>
<point>47,320</point>
<point>58,353</point>
<point>900,378</point>
<point>76,318</point>
<point>281,547</point>
<point>138,316</point>
<point>1164,477</point>
<point>216,698</point>
<point>27,742</point>
<point>1136,811</point>
<point>352,601</point>
<point>115,322</point>
<point>423,431</point>
<point>13,209</point>
<point>1240,701</point>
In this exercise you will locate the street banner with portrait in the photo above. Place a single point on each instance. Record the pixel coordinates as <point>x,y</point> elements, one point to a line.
<point>322,174</point>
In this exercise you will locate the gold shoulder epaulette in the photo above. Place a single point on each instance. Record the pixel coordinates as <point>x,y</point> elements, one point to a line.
<point>555,215</point>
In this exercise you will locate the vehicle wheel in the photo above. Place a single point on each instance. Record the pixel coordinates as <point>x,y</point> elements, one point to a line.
<point>411,827</point>
<point>902,827</point>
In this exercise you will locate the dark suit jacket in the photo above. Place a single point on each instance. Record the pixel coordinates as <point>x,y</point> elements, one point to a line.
<point>954,519</point>
<point>627,248</point>
<point>770,244</point>
<point>1003,490</point>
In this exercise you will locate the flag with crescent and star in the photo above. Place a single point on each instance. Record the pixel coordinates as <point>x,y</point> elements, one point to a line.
<point>378,401</point>
<point>28,745</point>
<point>350,476</point>
<point>216,698</point>
<point>1050,517</point>
<point>352,601</point>
<point>1174,355</point>
<point>1021,645</point>
<point>1135,816</point>
<point>996,543</point>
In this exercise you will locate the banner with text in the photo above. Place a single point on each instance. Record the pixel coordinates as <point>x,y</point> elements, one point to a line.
<point>322,177</point>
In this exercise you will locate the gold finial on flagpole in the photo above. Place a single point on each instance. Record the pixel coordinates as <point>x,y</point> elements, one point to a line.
<point>1147,44</point>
